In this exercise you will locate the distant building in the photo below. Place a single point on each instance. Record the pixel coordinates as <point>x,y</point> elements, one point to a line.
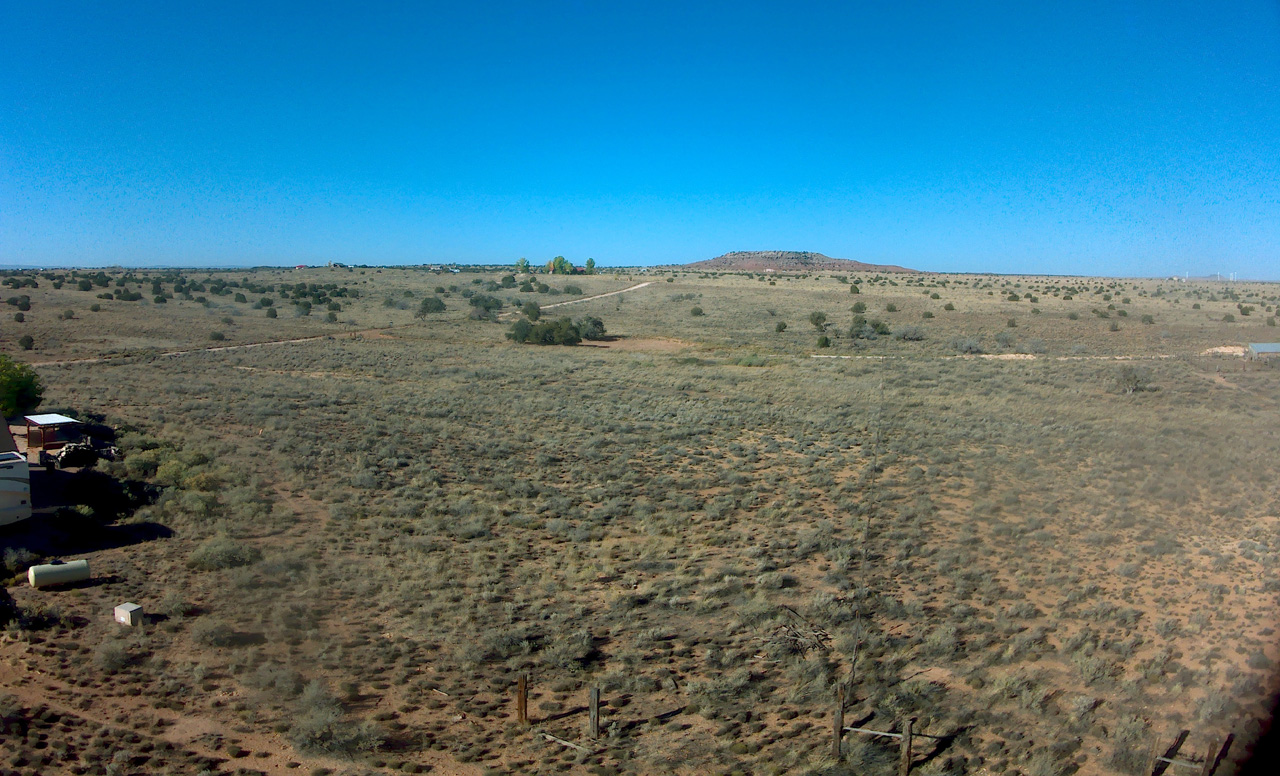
<point>1260,350</point>
<point>300,266</point>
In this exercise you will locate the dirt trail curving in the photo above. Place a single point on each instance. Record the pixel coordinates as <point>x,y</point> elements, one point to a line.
<point>599,296</point>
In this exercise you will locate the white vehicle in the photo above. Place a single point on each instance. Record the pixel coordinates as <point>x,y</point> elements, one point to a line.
<point>15,481</point>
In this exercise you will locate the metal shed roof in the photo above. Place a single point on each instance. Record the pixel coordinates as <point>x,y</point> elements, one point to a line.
<point>51,419</point>
<point>1265,347</point>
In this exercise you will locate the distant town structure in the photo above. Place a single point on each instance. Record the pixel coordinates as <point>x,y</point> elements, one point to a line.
<point>1260,350</point>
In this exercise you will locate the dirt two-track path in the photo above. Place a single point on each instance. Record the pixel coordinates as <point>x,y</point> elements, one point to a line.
<point>599,296</point>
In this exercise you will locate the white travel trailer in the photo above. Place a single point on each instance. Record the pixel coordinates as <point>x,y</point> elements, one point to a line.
<point>15,480</point>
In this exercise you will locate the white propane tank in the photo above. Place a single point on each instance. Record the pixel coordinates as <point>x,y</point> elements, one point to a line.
<point>58,573</point>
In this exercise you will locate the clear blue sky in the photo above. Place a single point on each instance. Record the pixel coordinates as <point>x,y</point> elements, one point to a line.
<point>1123,138</point>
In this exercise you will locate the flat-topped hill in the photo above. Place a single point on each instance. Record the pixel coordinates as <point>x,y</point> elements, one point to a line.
<point>788,261</point>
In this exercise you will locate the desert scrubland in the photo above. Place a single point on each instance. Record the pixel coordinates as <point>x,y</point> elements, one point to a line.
<point>1038,515</point>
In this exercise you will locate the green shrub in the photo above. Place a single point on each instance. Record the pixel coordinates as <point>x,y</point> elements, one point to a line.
<point>561,331</point>
<point>20,388</point>
<point>780,327</point>
<point>576,290</point>
<point>217,336</point>
<point>16,560</point>
<point>19,317</point>
<point>1012,323</point>
<point>319,726</point>
<point>222,552</point>
<point>212,633</point>
<point>111,656</point>
<point>695,312</point>
<point>949,307</point>
<point>909,333</point>
<point>520,330</point>
<point>271,312</point>
<point>891,308</point>
<point>532,310</point>
<point>429,306</point>
<point>824,341</point>
<point>95,308</point>
<point>819,320</point>
<point>485,302</point>
<point>967,345</point>
<point>861,328</point>
<point>1228,318</point>
<point>1130,379</point>
<point>590,327</point>
<point>858,308</point>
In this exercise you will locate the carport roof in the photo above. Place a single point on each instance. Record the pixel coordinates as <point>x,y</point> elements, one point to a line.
<point>51,419</point>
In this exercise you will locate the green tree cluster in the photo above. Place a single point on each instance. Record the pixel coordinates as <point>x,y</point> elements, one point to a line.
<point>20,387</point>
<point>558,332</point>
<point>560,266</point>
<point>561,331</point>
<point>428,306</point>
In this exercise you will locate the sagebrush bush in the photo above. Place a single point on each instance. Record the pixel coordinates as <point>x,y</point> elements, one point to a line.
<point>223,552</point>
<point>321,727</point>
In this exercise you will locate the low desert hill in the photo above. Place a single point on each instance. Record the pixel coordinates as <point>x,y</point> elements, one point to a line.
<point>788,261</point>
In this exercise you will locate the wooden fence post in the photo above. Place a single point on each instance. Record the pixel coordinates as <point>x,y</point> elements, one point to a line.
<point>837,730</point>
<point>1153,751</point>
<point>1212,759</point>
<point>522,700</point>
<point>904,753</point>
<point>593,712</point>
<point>1207,769</point>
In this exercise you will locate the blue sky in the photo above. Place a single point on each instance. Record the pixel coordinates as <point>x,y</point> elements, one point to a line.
<point>1121,138</point>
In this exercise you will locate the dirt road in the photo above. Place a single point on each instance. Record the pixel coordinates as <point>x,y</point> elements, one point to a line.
<point>599,296</point>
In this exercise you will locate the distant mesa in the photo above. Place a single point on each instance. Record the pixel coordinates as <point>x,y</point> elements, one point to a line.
<point>788,261</point>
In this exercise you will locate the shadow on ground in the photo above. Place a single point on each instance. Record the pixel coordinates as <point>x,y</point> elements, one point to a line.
<point>77,511</point>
